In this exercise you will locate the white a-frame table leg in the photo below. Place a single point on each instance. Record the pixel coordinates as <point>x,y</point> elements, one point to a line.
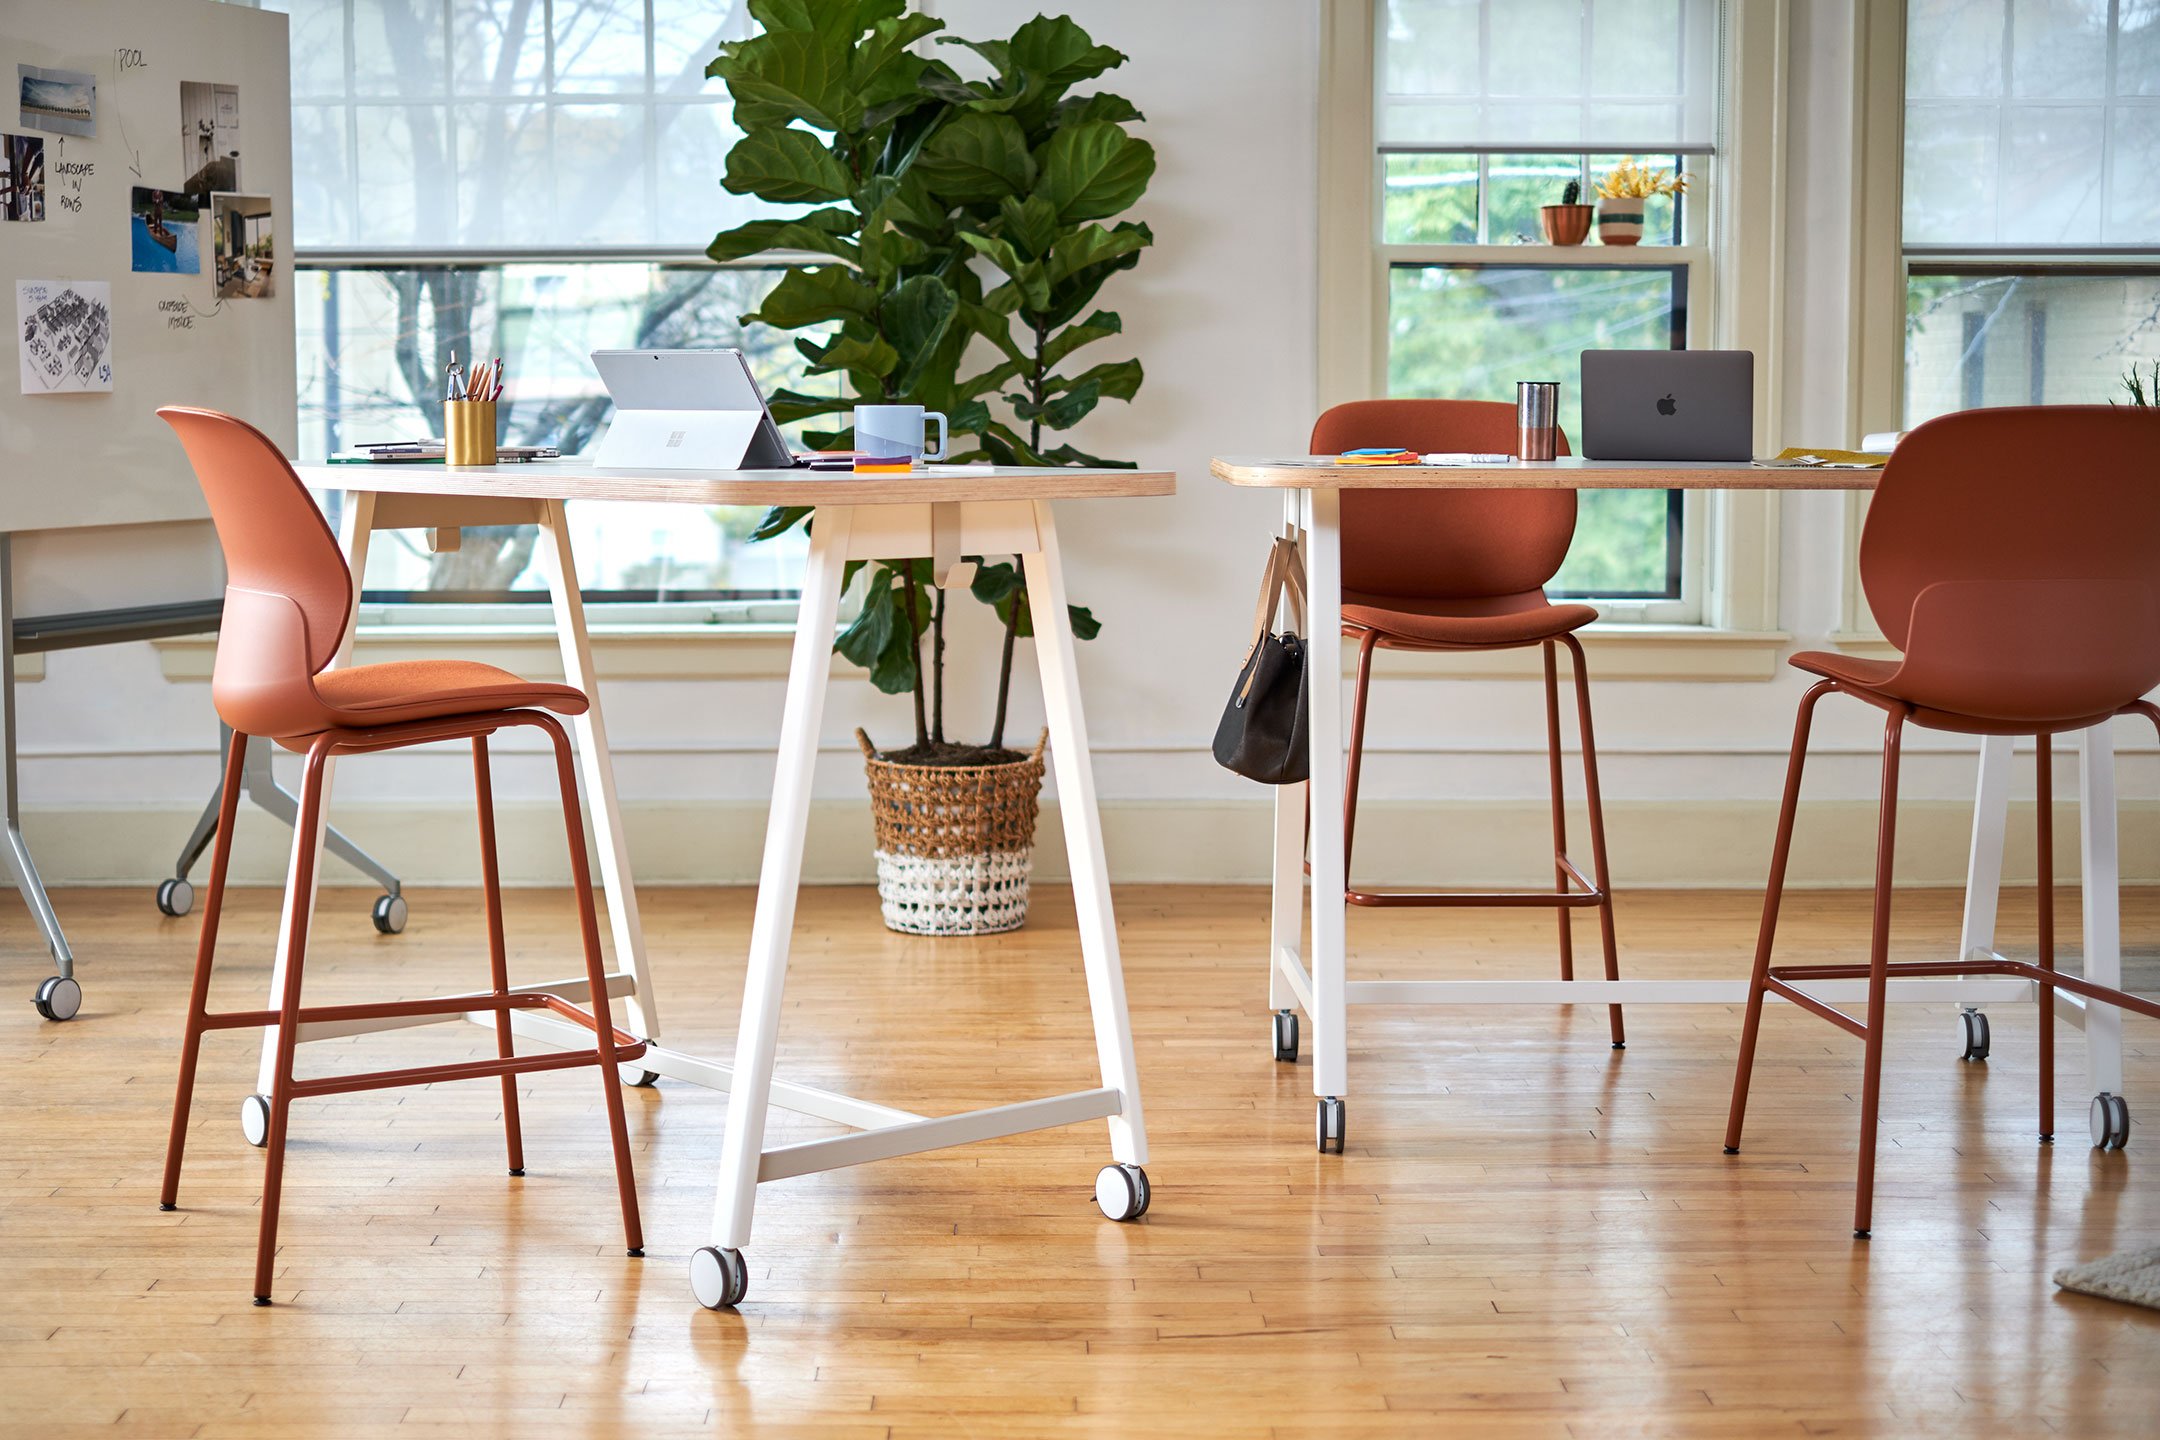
<point>1323,689</point>
<point>1983,873</point>
<point>2102,898</point>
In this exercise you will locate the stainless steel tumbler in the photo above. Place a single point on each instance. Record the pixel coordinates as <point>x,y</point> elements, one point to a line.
<point>1537,419</point>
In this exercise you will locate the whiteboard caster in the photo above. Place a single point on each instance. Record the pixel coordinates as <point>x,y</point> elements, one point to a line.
<point>175,897</point>
<point>255,1120</point>
<point>718,1278</point>
<point>389,914</point>
<point>1286,1036</point>
<point>1331,1124</point>
<point>57,998</point>
<point>638,1078</point>
<point>2110,1121</point>
<point>1974,1027</point>
<point>1121,1192</point>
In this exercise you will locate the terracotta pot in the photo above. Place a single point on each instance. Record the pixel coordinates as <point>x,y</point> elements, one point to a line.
<point>1565,224</point>
<point>1619,220</point>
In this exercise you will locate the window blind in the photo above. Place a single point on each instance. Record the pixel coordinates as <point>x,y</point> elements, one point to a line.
<point>1547,76</point>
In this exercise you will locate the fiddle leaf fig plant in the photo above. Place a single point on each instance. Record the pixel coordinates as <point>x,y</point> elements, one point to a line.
<point>953,211</point>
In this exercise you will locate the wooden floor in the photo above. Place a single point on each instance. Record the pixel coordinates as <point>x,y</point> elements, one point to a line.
<point>1529,1234</point>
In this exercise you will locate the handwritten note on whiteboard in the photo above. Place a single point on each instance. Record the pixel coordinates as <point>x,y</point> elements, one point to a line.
<point>64,335</point>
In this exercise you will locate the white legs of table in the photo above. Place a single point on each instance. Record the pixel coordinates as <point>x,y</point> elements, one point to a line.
<point>1323,667</point>
<point>2102,898</point>
<point>598,770</point>
<point>1075,772</point>
<point>758,1031</point>
<point>357,522</point>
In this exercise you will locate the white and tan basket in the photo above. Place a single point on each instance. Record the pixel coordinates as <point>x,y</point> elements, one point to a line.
<point>955,843</point>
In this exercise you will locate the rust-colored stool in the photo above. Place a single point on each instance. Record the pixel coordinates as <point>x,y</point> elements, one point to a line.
<point>288,598</point>
<point>1455,570</point>
<point>2010,554</point>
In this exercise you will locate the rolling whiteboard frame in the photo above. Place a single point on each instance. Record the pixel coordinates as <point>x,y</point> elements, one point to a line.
<point>106,459</point>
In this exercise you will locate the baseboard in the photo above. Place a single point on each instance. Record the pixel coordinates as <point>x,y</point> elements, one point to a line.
<point>1654,844</point>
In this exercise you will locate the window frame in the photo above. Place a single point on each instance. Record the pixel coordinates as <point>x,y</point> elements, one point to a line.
<point>1734,227</point>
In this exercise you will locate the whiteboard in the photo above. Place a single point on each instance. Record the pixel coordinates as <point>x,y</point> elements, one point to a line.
<point>69,460</point>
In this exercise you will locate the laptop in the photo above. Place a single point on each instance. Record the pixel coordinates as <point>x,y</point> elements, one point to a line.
<point>687,410</point>
<point>1668,404</point>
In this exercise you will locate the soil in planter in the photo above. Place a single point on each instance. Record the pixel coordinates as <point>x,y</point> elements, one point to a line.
<point>945,753</point>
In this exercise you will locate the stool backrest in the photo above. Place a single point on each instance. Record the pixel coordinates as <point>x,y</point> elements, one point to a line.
<point>1443,544</point>
<point>2013,553</point>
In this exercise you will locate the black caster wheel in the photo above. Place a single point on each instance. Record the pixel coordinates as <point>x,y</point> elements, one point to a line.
<point>1974,1026</point>
<point>1121,1192</point>
<point>2110,1122</point>
<point>1330,1126</point>
<point>638,1078</point>
<point>57,998</point>
<point>718,1278</point>
<point>175,897</point>
<point>1286,1036</point>
<point>255,1120</point>
<point>389,914</point>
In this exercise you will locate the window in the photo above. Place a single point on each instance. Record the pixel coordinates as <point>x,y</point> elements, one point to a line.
<point>534,179</point>
<point>1483,112</point>
<point>2031,228</point>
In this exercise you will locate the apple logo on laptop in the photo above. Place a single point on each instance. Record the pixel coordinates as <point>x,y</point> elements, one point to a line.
<point>1667,406</point>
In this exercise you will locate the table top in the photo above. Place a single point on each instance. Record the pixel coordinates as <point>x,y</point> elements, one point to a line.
<point>577,479</point>
<point>1570,472</point>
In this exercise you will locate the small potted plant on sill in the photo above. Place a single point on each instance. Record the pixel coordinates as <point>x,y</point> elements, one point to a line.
<point>1624,193</point>
<point>1567,223</point>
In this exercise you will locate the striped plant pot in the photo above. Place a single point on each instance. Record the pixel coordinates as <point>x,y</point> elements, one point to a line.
<point>955,843</point>
<point>1619,221</point>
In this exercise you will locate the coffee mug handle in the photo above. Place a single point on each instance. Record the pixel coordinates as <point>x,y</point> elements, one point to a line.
<point>939,453</point>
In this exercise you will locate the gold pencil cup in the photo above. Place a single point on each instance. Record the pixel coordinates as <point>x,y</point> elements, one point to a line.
<point>469,432</point>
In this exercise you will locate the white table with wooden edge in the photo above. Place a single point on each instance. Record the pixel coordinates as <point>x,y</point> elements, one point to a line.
<point>943,512</point>
<point>1312,509</point>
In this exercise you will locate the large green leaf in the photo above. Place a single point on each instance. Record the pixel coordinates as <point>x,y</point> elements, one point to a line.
<point>820,232</point>
<point>779,520</point>
<point>789,406</point>
<point>883,68</point>
<point>1115,379</point>
<point>1063,410</point>
<point>1031,224</point>
<point>850,352</point>
<point>916,316</point>
<point>1027,276</point>
<point>1099,326</point>
<point>1059,51</point>
<point>814,295</point>
<point>977,158</point>
<point>788,167</point>
<point>787,75</point>
<point>1093,170</point>
<point>1101,105</point>
<point>1092,245</point>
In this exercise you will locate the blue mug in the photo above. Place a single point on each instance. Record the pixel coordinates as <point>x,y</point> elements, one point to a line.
<point>895,432</point>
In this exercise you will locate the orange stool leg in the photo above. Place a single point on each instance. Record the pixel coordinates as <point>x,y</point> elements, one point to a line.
<point>1598,868</point>
<point>1559,810</point>
<point>2044,787</point>
<point>1878,1020</point>
<point>1356,758</point>
<point>498,960</point>
<point>199,992</point>
<point>596,976</point>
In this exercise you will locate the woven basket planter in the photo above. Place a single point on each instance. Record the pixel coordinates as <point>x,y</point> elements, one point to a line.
<point>955,843</point>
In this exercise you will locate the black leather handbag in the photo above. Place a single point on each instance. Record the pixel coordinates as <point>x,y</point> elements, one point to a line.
<point>1263,731</point>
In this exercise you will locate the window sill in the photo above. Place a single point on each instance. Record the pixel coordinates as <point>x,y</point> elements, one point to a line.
<point>1616,652</point>
<point>1867,644</point>
<point>620,652</point>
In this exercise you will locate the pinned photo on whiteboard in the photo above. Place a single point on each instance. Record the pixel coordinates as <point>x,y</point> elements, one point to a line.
<point>209,138</point>
<point>64,330</point>
<point>243,246</point>
<point>59,102</point>
<point>162,232</point>
<point>22,177</point>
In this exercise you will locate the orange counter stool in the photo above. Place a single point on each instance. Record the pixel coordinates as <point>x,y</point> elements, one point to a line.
<point>2010,555</point>
<point>1455,570</point>
<point>288,602</point>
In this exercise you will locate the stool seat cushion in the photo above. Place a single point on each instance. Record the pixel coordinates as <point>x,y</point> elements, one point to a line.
<point>364,696</point>
<point>1877,681</point>
<point>1469,621</point>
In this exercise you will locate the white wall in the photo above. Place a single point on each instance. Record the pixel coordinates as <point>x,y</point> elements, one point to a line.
<point>1222,312</point>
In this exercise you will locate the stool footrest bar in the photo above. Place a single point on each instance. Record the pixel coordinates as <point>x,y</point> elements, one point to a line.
<point>461,1070</point>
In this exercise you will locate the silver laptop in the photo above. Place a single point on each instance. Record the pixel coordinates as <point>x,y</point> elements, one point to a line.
<point>687,410</point>
<point>1668,404</point>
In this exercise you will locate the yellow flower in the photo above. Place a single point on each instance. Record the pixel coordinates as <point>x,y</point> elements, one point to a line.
<point>1630,181</point>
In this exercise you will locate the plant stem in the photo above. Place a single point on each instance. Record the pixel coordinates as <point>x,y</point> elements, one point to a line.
<point>1005,662</point>
<point>914,625</point>
<point>937,670</point>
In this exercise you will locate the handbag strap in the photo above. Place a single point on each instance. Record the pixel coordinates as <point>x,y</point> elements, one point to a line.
<point>1284,568</point>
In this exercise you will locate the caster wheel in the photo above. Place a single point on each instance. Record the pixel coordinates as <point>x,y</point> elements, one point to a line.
<point>255,1120</point>
<point>1286,1036</point>
<point>2110,1122</point>
<point>718,1278</point>
<point>637,1078</point>
<point>57,998</point>
<point>175,897</point>
<point>1330,1126</point>
<point>1974,1026</point>
<point>1121,1192</point>
<point>389,914</point>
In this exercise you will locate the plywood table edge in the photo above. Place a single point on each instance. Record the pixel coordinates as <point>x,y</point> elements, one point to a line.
<point>748,487</point>
<point>1271,474</point>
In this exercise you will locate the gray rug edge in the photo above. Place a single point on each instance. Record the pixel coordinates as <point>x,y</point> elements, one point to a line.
<point>2132,1277</point>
